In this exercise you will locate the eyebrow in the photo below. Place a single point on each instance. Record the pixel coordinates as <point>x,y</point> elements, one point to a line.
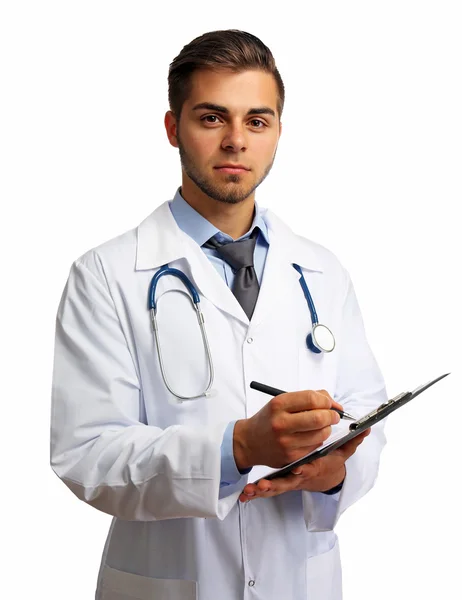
<point>262,110</point>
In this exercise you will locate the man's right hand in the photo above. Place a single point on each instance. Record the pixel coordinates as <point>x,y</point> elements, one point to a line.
<point>290,426</point>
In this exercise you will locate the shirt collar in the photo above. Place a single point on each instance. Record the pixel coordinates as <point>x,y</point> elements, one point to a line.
<point>160,241</point>
<point>201,230</point>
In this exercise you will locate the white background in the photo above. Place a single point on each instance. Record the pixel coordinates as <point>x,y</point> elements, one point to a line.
<point>369,165</point>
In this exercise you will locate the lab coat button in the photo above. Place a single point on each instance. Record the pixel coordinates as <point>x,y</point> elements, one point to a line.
<point>252,582</point>
<point>249,340</point>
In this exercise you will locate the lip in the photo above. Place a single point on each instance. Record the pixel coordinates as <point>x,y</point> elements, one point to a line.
<point>230,168</point>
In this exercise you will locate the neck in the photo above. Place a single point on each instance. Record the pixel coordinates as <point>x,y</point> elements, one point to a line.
<point>232,219</point>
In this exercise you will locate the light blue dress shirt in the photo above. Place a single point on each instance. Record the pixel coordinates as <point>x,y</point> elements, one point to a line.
<point>201,230</point>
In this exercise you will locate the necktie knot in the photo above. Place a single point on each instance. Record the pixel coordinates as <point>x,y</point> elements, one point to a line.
<point>237,254</point>
<point>240,256</point>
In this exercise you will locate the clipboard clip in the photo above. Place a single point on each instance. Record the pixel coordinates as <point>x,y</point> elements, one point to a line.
<point>390,405</point>
<point>379,410</point>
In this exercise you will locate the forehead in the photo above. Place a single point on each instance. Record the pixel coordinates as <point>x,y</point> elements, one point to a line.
<point>237,91</point>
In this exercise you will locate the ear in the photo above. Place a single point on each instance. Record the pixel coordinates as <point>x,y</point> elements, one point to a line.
<point>170,123</point>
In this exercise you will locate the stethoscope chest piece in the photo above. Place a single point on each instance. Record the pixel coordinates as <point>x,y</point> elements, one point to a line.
<point>321,339</point>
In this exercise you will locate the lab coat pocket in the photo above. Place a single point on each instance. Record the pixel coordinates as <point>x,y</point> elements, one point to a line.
<point>324,576</point>
<point>119,585</point>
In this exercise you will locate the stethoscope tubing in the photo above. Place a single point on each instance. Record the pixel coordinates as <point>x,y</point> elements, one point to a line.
<point>166,270</point>
<point>195,300</point>
<point>309,299</point>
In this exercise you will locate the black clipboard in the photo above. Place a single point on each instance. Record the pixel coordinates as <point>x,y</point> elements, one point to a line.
<point>355,429</point>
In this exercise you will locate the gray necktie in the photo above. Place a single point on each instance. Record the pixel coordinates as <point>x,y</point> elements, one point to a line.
<point>239,255</point>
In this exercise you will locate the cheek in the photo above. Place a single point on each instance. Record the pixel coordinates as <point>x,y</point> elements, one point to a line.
<point>265,150</point>
<point>200,140</point>
<point>202,149</point>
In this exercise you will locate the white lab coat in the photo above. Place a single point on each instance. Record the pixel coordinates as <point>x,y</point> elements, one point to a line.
<point>122,444</point>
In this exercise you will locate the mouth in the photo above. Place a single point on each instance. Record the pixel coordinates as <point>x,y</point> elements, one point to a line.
<point>235,170</point>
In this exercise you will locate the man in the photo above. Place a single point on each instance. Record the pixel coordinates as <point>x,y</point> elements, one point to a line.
<point>177,474</point>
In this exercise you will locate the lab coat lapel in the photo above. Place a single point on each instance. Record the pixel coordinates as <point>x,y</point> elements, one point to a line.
<point>211,285</point>
<point>280,279</point>
<point>161,241</point>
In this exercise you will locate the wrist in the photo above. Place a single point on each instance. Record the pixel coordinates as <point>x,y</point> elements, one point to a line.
<point>338,486</point>
<point>240,446</point>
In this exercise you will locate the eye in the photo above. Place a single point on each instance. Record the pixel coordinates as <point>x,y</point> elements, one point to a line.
<point>256,123</point>
<point>210,117</point>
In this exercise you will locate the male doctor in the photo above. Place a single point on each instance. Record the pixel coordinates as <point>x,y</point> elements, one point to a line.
<point>177,475</point>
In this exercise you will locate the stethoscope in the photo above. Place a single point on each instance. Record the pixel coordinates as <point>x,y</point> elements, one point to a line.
<point>320,339</point>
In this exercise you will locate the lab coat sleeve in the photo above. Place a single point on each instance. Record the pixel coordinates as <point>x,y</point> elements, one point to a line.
<point>359,388</point>
<point>100,447</point>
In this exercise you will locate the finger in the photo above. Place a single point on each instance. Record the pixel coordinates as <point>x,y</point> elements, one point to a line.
<point>250,492</point>
<point>265,488</point>
<point>294,402</point>
<point>264,485</point>
<point>337,405</point>
<point>327,395</point>
<point>350,447</point>
<point>294,480</point>
<point>305,470</point>
<point>278,485</point>
<point>254,488</point>
<point>250,489</point>
<point>305,442</point>
<point>359,438</point>
<point>310,420</point>
<point>354,443</point>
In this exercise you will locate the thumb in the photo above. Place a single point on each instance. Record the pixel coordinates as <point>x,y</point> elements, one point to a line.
<point>350,447</point>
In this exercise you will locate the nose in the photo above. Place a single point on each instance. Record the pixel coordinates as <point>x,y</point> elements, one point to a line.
<point>235,138</point>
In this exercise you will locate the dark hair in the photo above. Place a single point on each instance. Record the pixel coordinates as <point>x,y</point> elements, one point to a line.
<point>228,49</point>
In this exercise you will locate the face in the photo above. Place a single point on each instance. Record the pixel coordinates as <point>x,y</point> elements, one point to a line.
<point>228,118</point>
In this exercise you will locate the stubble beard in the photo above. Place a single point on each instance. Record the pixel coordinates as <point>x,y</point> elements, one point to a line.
<point>207,187</point>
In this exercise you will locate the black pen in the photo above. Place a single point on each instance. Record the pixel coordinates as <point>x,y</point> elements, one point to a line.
<point>267,389</point>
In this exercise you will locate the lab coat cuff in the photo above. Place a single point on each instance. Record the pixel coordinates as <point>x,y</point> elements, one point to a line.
<point>335,490</point>
<point>230,474</point>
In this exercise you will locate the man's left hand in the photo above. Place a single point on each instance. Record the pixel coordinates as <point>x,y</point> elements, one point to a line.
<point>321,475</point>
